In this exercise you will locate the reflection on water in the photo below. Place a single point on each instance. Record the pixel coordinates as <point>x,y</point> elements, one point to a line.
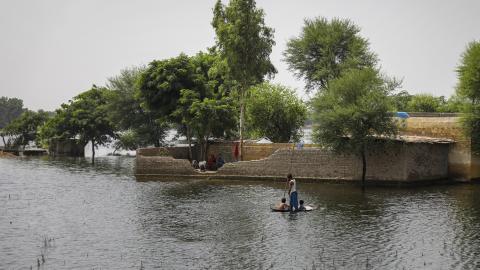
<point>80,216</point>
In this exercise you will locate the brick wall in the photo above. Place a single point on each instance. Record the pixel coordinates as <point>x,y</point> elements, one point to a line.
<point>461,164</point>
<point>398,162</point>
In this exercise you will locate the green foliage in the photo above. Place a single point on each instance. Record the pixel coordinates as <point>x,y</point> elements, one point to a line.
<point>190,92</point>
<point>326,49</point>
<point>24,129</point>
<point>128,115</point>
<point>10,108</point>
<point>274,111</point>
<point>400,100</point>
<point>471,124</point>
<point>455,104</point>
<point>160,84</point>
<point>425,103</point>
<point>469,73</point>
<point>207,110</point>
<point>244,41</point>
<point>245,44</point>
<point>469,88</point>
<point>84,119</point>
<point>352,112</point>
<point>127,140</point>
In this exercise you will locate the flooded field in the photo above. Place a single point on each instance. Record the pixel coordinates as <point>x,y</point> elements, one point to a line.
<point>68,214</point>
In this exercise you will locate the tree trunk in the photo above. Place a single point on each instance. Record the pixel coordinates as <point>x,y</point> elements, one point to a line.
<point>93,152</point>
<point>242,120</point>
<point>206,148</point>
<point>189,139</point>
<point>364,167</point>
<point>4,143</point>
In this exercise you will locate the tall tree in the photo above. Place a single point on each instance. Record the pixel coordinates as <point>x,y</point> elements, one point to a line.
<point>84,119</point>
<point>274,111</point>
<point>352,112</point>
<point>160,84</point>
<point>10,108</point>
<point>245,43</point>
<point>325,49</point>
<point>469,87</point>
<point>138,126</point>
<point>24,129</point>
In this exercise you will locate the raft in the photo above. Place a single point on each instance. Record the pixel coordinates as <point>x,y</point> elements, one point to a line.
<point>307,209</point>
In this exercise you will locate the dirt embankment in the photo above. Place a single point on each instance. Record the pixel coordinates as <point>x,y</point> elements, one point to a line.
<point>7,155</point>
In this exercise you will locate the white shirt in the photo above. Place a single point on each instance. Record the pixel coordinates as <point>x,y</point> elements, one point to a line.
<point>294,186</point>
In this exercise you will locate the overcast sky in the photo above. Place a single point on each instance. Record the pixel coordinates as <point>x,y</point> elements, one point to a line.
<point>51,50</point>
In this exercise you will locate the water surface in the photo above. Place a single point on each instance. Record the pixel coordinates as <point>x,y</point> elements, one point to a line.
<point>80,216</point>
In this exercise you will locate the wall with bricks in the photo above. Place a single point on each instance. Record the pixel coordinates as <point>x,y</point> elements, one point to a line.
<point>398,162</point>
<point>461,162</point>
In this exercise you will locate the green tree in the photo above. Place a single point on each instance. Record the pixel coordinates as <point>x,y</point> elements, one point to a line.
<point>160,84</point>
<point>125,109</point>
<point>274,111</point>
<point>84,119</point>
<point>184,90</point>
<point>207,110</point>
<point>211,117</point>
<point>425,103</point>
<point>400,100</point>
<point>325,49</point>
<point>454,104</point>
<point>352,112</point>
<point>245,44</point>
<point>24,129</point>
<point>469,87</point>
<point>10,108</point>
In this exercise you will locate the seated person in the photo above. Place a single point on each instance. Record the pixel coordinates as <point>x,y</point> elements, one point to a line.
<point>283,205</point>
<point>301,207</point>
<point>212,163</point>
<point>220,161</point>
<point>195,164</point>
<point>202,165</point>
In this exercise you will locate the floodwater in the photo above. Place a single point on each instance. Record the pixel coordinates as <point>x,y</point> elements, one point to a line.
<point>68,214</point>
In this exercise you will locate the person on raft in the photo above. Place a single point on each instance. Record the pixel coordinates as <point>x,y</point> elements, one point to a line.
<point>283,205</point>
<point>292,192</point>
<point>302,207</point>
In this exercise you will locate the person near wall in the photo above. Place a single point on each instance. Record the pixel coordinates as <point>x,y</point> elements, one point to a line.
<point>236,152</point>
<point>292,192</point>
<point>212,163</point>
<point>220,161</point>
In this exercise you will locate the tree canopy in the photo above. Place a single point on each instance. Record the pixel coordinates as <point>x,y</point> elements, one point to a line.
<point>274,111</point>
<point>10,108</point>
<point>352,112</point>
<point>469,87</point>
<point>84,119</point>
<point>326,49</point>
<point>245,44</point>
<point>425,103</point>
<point>24,129</point>
<point>137,125</point>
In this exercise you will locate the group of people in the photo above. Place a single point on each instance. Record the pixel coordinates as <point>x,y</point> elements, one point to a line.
<point>292,193</point>
<point>212,164</point>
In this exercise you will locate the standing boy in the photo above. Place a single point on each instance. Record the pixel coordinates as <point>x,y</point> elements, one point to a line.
<point>292,191</point>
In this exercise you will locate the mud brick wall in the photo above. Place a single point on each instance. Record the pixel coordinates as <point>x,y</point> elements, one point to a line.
<point>163,165</point>
<point>462,163</point>
<point>398,162</point>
